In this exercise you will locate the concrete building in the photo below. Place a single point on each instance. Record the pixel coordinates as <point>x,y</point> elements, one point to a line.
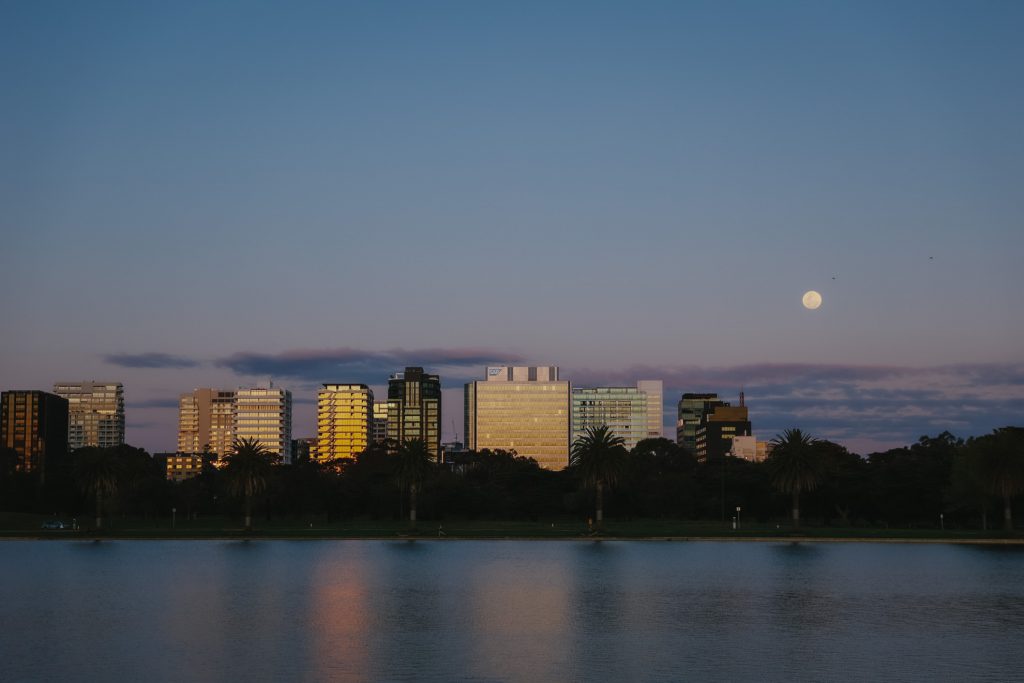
<point>379,428</point>
<point>303,449</point>
<point>655,392</point>
<point>414,409</point>
<point>522,409</point>
<point>182,466</point>
<point>265,414</point>
<point>692,409</point>
<point>344,416</point>
<point>206,421</point>
<point>35,425</point>
<point>749,448</point>
<point>622,409</point>
<point>718,429</point>
<point>95,413</point>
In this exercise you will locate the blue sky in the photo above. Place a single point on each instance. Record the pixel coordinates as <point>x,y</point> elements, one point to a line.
<point>627,190</point>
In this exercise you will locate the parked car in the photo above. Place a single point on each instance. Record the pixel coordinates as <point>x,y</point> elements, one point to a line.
<point>55,524</point>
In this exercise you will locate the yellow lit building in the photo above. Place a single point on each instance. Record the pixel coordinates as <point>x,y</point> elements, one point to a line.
<point>344,417</point>
<point>182,466</point>
<point>525,409</point>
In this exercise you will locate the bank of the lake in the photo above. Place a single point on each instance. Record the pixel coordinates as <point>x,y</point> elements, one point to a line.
<point>30,526</point>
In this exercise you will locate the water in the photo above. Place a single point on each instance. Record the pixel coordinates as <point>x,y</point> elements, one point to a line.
<point>508,611</point>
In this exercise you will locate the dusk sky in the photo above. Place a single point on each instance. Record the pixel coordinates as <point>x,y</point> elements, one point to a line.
<point>219,193</point>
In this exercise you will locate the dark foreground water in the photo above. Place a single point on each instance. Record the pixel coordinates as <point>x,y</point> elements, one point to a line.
<point>508,610</point>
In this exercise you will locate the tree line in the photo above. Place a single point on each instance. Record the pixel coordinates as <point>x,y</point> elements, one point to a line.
<point>938,481</point>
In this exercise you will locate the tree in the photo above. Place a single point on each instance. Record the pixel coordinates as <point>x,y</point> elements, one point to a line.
<point>414,463</point>
<point>248,469</point>
<point>999,457</point>
<point>795,466</point>
<point>98,472</point>
<point>599,459</point>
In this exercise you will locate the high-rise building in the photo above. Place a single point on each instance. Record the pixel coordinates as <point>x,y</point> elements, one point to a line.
<point>523,409</point>
<point>379,428</point>
<point>344,415</point>
<point>265,414</point>
<point>622,409</point>
<point>717,430</point>
<point>414,409</point>
<point>206,422</point>
<point>654,390</point>
<point>95,413</point>
<point>35,425</point>
<point>692,409</point>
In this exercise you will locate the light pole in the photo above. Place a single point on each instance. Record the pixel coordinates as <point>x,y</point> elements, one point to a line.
<point>174,517</point>
<point>942,521</point>
<point>738,508</point>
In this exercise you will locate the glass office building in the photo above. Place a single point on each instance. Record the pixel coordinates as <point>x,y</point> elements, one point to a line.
<point>414,409</point>
<point>622,409</point>
<point>521,409</point>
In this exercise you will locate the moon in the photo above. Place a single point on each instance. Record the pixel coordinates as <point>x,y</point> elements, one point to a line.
<point>811,300</point>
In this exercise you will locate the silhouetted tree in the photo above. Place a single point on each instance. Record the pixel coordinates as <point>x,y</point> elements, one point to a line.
<point>599,459</point>
<point>249,466</point>
<point>414,463</point>
<point>98,472</point>
<point>795,465</point>
<point>1000,461</point>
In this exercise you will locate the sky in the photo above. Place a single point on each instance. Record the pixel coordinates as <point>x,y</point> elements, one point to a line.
<point>223,193</point>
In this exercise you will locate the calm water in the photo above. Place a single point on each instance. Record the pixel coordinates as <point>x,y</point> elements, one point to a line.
<point>508,610</point>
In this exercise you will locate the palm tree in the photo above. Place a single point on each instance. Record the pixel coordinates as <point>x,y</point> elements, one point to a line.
<point>999,457</point>
<point>599,459</point>
<point>414,463</point>
<point>795,466</point>
<point>247,471</point>
<point>98,471</point>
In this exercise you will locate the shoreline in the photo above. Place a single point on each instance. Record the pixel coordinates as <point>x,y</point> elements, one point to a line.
<point>575,539</point>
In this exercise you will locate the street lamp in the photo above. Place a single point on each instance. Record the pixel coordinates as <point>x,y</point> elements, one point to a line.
<point>174,515</point>
<point>738,508</point>
<point>942,521</point>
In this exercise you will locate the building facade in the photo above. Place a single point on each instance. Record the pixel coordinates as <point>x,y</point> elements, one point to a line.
<point>95,413</point>
<point>344,418</point>
<point>655,392</point>
<point>522,409</point>
<point>379,428</point>
<point>718,429</point>
<point>206,422</point>
<point>622,409</point>
<point>414,409</point>
<point>692,409</point>
<point>265,415</point>
<point>35,425</point>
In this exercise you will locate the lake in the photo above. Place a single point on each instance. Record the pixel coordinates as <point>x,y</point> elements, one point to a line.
<point>509,611</point>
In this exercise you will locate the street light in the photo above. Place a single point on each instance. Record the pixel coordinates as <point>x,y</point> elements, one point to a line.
<point>174,515</point>
<point>738,508</point>
<point>942,521</point>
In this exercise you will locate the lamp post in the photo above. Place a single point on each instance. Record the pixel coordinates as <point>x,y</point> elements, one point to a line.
<point>738,509</point>
<point>942,521</point>
<point>174,517</point>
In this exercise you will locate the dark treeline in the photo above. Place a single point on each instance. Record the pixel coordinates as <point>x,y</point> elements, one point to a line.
<point>970,484</point>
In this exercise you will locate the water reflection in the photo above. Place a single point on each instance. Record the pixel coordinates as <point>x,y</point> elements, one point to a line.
<point>358,610</point>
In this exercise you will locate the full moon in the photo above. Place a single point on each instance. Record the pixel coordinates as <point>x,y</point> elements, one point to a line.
<point>812,300</point>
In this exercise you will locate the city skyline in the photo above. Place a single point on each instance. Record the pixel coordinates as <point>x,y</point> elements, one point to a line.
<point>625,191</point>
